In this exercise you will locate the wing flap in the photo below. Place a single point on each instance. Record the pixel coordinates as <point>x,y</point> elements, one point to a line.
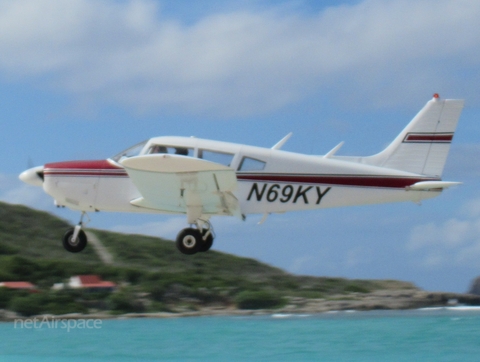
<point>183,184</point>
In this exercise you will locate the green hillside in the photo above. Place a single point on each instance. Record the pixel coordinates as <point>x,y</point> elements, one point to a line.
<point>30,233</point>
<point>151,273</point>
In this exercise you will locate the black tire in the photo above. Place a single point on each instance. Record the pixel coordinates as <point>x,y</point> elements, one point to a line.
<point>189,241</point>
<point>206,244</point>
<point>80,243</point>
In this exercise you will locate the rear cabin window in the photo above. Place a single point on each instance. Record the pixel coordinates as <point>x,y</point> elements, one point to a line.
<point>183,151</point>
<point>217,157</point>
<point>251,164</point>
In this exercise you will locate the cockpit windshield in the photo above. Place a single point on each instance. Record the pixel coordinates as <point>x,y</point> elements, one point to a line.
<point>130,152</point>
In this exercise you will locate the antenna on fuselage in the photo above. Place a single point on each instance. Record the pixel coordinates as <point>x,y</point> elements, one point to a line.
<point>280,143</point>
<point>334,150</point>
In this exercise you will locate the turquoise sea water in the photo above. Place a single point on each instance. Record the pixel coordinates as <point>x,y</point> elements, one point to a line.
<point>422,335</point>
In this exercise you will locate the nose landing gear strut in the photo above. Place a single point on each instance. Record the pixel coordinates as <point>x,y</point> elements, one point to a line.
<point>75,239</point>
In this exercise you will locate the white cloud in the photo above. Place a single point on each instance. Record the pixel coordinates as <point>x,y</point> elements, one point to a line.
<point>244,61</point>
<point>450,234</point>
<point>453,242</point>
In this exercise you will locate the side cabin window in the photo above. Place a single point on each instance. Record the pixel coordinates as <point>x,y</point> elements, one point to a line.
<point>251,164</point>
<point>173,150</point>
<point>217,157</point>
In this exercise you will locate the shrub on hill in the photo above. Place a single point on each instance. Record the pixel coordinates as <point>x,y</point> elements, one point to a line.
<point>51,302</point>
<point>259,300</point>
<point>6,295</point>
<point>124,302</point>
<point>355,288</point>
<point>28,305</point>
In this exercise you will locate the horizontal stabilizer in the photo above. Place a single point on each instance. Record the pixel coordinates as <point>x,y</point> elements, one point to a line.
<point>431,185</point>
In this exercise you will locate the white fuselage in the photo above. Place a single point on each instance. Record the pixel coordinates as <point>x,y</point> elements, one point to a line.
<point>268,180</point>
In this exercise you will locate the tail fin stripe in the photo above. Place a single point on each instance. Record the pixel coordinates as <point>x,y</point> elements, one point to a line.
<point>428,138</point>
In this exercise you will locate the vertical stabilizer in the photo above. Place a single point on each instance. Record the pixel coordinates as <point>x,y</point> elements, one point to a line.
<point>422,147</point>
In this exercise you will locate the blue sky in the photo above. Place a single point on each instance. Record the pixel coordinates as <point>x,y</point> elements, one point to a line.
<point>85,79</point>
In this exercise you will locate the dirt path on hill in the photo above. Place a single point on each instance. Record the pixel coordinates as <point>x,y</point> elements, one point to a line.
<point>101,251</point>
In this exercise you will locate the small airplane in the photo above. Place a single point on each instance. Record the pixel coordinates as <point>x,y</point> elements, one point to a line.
<point>202,178</point>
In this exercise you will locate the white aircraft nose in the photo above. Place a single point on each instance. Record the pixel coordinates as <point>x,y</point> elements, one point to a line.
<point>32,176</point>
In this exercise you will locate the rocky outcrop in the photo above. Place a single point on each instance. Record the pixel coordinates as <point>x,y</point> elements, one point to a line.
<point>475,288</point>
<point>386,300</point>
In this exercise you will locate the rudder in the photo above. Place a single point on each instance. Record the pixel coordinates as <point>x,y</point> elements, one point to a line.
<point>423,146</point>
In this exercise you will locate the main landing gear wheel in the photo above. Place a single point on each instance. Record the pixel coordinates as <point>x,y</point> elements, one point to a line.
<point>189,241</point>
<point>74,246</point>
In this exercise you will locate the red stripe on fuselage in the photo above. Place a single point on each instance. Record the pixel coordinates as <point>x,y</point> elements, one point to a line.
<point>84,168</point>
<point>84,165</point>
<point>340,180</point>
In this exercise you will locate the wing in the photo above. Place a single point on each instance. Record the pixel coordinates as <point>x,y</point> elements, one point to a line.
<point>183,184</point>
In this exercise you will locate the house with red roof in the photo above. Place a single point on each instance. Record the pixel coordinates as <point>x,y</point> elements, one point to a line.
<point>18,285</point>
<point>91,282</point>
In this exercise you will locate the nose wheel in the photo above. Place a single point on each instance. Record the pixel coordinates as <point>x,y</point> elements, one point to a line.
<point>75,239</point>
<point>191,240</point>
<point>74,245</point>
